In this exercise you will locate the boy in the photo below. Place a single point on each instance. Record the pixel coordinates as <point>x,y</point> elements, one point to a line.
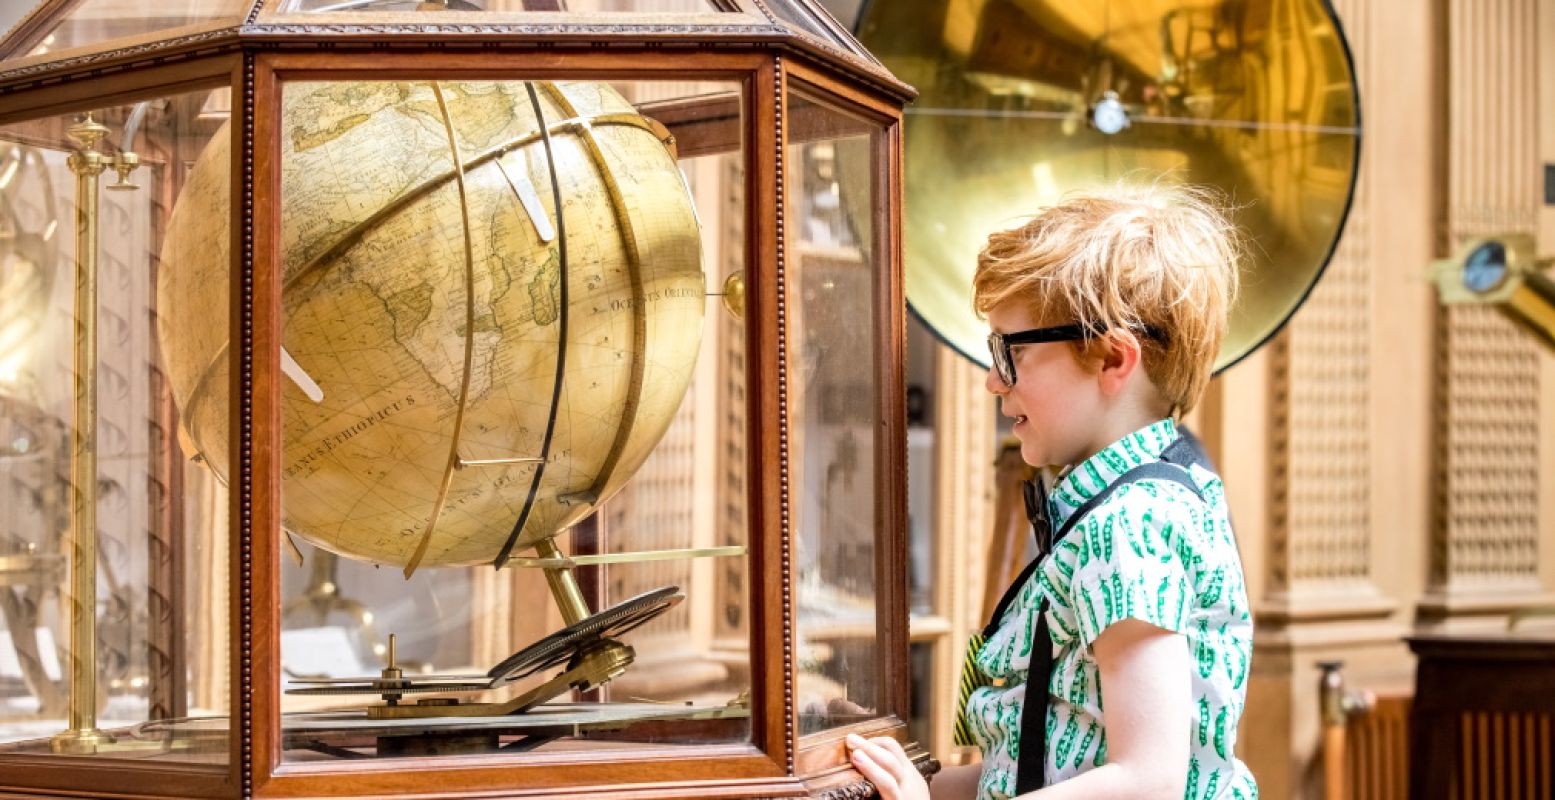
<point>1107,313</point>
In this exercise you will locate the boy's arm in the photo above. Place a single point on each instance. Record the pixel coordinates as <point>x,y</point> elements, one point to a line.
<point>1145,675</point>
<point>1148,707</point>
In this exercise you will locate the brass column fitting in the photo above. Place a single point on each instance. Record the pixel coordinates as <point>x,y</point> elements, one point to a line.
<point>603,661</point>
<point>1338,703</point>
<point>734,294</point>
<point>392,676</point>
<point>564,587</point>
<point>124,163</point>
<point>83,737</point>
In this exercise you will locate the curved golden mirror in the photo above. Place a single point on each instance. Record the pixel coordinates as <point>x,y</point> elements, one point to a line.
<point>1024,100</point>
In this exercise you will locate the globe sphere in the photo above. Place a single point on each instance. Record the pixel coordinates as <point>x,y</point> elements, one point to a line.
<point>492,302</point>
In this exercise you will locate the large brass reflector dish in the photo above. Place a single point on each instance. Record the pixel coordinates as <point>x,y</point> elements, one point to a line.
<point>1024,100</point>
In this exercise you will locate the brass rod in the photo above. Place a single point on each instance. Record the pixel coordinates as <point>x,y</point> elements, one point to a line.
<point>634,557</point>
<point>569,598</point>
<point>83,735</point>
<point>1532,304</point>
<point>492,462</point>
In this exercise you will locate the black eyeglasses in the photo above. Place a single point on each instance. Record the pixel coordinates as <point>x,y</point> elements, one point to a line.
<point>999,344</point>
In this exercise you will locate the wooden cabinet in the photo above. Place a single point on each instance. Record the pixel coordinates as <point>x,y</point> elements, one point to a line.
<point>1480,725</point>
<point>452,398</point>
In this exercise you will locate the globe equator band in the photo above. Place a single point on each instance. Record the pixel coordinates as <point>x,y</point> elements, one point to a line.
<point>628,236</point>
<point>349,239</point>
<point>561,331</point>
<point>469,333</point>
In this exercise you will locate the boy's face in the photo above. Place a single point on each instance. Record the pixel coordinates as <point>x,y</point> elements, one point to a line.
<point>1055,402</point>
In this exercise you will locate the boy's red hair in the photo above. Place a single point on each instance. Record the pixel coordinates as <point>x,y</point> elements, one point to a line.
<point>1161,257</point>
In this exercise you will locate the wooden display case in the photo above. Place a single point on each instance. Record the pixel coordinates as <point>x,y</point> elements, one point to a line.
<point>290,432</point>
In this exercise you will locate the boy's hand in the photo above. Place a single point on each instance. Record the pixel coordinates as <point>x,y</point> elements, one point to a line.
<point>886,765</point>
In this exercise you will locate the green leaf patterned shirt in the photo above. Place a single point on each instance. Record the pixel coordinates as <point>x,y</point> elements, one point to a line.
<point>1151,551</point>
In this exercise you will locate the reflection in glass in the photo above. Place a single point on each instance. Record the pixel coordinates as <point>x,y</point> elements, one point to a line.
<point>91,22</point>
<point>833,406</point>
<point>816,22</point>
<point>920,717</point>
<point>156,685</point>
<point>1021,102</point>
<point>922,352</point>
<point>574,6</point>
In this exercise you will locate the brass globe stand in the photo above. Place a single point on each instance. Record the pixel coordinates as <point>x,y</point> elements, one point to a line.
<point>587,648</point>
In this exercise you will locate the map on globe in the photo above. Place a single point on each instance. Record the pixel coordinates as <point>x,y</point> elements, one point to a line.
<point>471,366</point>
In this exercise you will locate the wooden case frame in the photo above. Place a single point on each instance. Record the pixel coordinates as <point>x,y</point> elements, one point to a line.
<point>767,61</point>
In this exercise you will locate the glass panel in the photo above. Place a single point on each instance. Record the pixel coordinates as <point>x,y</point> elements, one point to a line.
<point>501,351</point>
<point>122,496</point>
<point>922,537</point>
<point>1021,102</point>
<point>921,725</point>
<point>834,412</point>
<point>574,6</point>
<point>813,18</point>
<point>92,22</point>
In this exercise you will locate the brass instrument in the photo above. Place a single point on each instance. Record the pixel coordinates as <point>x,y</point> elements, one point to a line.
<point>1022,101</point>
<point>1502,271</point>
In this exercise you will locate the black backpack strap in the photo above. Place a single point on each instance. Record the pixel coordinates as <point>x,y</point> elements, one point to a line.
<point>1154,470</point>
<point>1187,451</point>
<point>1031,762</point>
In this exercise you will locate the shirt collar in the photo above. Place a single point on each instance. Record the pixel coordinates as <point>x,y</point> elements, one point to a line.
<point>1084,480</point>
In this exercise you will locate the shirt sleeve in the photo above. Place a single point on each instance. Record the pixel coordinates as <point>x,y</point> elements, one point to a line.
<point>1130,564</point>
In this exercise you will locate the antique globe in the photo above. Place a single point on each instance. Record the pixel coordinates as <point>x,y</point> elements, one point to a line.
<point>492,304</point>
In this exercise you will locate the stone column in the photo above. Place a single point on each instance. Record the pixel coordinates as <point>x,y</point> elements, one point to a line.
<point>1491,411</point>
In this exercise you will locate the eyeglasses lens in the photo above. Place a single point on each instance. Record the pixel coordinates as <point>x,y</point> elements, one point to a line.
<point>999,356</point>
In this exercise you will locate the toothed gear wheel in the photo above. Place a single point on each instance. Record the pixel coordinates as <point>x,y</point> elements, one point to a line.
<point>559,647</point>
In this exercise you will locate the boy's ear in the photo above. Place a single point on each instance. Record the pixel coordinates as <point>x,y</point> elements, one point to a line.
<point>1121,355</point>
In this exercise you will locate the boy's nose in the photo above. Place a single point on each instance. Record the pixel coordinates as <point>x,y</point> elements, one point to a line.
<point>994,384</point>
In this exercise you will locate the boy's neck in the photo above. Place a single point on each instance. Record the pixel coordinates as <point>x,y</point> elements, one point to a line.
<point>1119,420</point>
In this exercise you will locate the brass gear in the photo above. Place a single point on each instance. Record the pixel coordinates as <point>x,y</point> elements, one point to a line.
<point>559,647</point>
